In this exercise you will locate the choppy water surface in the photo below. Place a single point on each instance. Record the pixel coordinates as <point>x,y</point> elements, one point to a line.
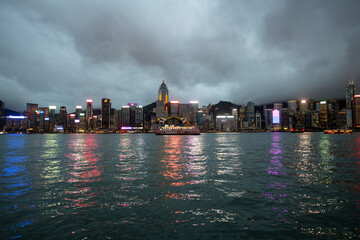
<point>253,186</point>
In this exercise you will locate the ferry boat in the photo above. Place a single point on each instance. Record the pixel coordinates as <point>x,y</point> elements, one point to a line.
<point>175,126</point>
<point>338,131</point>
<point>299,129</point>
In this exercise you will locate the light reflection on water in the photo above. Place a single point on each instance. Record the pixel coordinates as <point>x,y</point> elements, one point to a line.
<point>223,185</point>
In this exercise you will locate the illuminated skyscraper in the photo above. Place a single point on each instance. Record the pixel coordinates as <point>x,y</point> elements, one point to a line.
<point>89,113</point>
<point>30,113</point>
<point>194,108</point>
<point>323,114</point>
<point>2,111</point>
<point>174,108</point>
<point>357,111</point>
<point>105,113</point>
<point>350,92</point>
<point>125,116</point>
<point>63,118</point>
<point>163,94</point>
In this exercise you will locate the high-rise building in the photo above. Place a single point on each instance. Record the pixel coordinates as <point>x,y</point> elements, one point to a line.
<point>350,92</point>
<point>303,106</point>
<point>357,111</point>
<point>52,118</point>
<point>44,119</point>
<point>323,114</point>
<point>31,109</point>
<point>291,106</point>
<point>174,108</point>
<point>163,93</point>
<point>63,118</point>
<point>139,117</point>
<point>117,119</point>
<point>105,113</point>
<point>2,111</point>
<point>250,114</point>
<point>194,108</point>
<point>312,105</point>
<point>125,116</point>
<point>89,114</point>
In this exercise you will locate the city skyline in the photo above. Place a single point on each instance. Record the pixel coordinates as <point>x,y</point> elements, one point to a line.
<point>52,53</point>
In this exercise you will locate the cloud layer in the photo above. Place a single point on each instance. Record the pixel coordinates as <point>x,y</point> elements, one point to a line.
<point>60,53</point>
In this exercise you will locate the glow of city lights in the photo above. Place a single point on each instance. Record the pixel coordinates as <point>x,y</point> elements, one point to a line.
<point>16,117</point>
<point>41,111</point>
<point>322,102</point>
<point>59,128</point>
<point>82,114</point>
<point>125,106</point>
<point>78,107</point>
<point>126,128</point>
<point>72,114</point>
<point>89,100</point>
<point>174,102</point>
<point>303,101</point>
<point>276,116</point>
<point>194,102</point>
<point>357,96</point>
<point>47,119</point>
<point>52,107</point>
<point>225,116</point>
<point>77,120</point>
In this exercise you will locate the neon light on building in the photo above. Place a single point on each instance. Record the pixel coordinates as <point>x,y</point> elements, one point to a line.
<point>78,107</point>
<point>72,115</point>
<point>16,117</point>
<point>322,102</point>
<point>52,107</point>
<point>193,102</point>
<point>303,101</point>
<point>174,102</point>
<point>77,120</point>
<point>276,116</point>
<point>89,100</point>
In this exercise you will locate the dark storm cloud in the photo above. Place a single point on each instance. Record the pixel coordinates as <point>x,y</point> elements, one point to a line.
<point>62,53</point>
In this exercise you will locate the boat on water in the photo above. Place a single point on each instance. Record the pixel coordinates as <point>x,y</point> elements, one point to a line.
<point>297,130</point>
<point>338,131</point>
<point>175,126</point>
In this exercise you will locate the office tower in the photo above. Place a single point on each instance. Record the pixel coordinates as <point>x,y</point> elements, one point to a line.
<point>356,111</point>
<point>278,106</point>
<point>44,119</point>
<point>117,119</point>
<point>31,109</point>
<point>174,108</point>
<point>2,111</point>
<point>89,114</point>
<point>311,105</point>
<point>194,108</point>
<point>225,123</point>
<point>125,116</point>
<point>184,111</point>
<point>105,113</point>
<point>242,116</point>
<point>63,118</point>
<point>323,118</point>
<point>163,93</point>
<point>350,92</point>
<point>303,106</point>
<point>250,114</point>
<point>78,111</point>
<point>235,113</point>
<point>52,118</point>
<point>292,106</point>
<point>258,120</point>
<point>139,117</point>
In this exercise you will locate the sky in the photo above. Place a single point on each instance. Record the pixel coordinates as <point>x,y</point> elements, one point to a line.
<point>63,52</point>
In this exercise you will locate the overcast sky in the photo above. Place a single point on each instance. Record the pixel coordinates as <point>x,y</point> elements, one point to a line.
<point>62,52</point>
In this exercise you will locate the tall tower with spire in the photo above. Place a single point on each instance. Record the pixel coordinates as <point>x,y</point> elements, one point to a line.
<point>163,94</point>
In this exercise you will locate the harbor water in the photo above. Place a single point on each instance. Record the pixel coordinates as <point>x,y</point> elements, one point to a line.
<point>211,186</point>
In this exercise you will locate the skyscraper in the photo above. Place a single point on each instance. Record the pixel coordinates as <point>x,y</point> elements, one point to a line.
<point>89,114</point>
<point>350,92</point>
<point>105,113</point>
<point>63,117</point>
<point>323,114</point>
<point>357,111</point>
<point>30,113</point>
<point>163,94</point>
